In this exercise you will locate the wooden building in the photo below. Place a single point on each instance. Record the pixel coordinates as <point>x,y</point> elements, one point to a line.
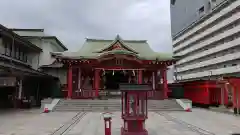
<point>20,82</point>
<point>101,65</point>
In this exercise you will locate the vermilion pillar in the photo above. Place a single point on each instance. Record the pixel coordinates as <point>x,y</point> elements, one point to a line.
<point>234,99</point>
<point>79,82</point>
<point>140,76</point>
<point>153,80</point>
<point>96,81</point>
<point>165,84</point>
<point>225,95</point>
<point>69,79</point>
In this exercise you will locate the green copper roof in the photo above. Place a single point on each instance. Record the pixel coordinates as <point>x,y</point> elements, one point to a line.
<point>94,48</point>
<point>118,52</point>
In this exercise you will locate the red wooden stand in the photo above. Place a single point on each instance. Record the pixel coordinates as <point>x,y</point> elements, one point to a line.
<point>134,108</point>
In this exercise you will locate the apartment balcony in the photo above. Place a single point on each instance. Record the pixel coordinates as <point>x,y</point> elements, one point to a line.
<point>209,31</point>
<point>215,72</point>
<point>15,60</point>
<point>217,60</point>
<point>208,52</point>
<point>210,41</point>
<point>207,22</point>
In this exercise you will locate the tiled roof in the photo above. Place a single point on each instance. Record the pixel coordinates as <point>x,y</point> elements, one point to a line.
<point>93,48</point>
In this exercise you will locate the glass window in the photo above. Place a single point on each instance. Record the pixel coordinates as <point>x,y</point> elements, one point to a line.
<point>21,55</point>
<point>25,57</point>
<point>17,52</point>
<point>7,49</point>
<point>131,104</point>
<point>201,10</point>
<point>142,105</point>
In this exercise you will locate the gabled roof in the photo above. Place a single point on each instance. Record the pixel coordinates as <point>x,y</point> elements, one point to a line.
<point>117,39</point>
<point>19,38</point>
<point>50,37</point>
<point>95,48</point>
<point>37,33</point>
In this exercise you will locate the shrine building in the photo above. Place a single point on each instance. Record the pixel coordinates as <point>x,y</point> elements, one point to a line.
<point>101,65</point>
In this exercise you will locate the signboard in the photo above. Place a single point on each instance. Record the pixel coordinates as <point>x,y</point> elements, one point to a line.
<point>8,81</point>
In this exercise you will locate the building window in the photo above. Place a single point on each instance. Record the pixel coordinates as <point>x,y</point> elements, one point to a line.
<point>173,2</point>
<point>21,55</point>
<point>201,10</point>
<point>234,64</point>
<point>7,49</point>
<point>17,52</point>
<point>13,50</point>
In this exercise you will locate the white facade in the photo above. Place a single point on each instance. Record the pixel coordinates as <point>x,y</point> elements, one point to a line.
<point>48,44</point>
<point>211,48</point>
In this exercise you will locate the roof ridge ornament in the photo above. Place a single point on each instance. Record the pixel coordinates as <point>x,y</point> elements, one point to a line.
<point>118,37</point>
<point>119,44</point>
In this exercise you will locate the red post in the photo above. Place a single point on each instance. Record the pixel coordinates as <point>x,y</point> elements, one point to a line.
<point>165,84</point>
<point>153,81</point>
<point>225,94</point>
<point>107,123</point>
<point>234,99</point>
<point>140,76</point>
<point>79,82</point>
<point>96,81</point>
<point>107,126</point>
<point>69,79</point>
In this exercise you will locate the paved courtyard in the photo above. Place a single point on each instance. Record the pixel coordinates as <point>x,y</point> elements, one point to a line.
<point>198,122</point>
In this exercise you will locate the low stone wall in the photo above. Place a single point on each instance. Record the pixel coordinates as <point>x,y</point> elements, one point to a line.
<point>46,101</point>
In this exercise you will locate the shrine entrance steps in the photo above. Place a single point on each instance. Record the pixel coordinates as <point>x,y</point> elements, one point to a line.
<point>112,105</point>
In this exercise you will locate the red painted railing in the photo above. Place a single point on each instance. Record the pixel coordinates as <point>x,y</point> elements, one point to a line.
<point>150,94</point>
<point>83,94</point>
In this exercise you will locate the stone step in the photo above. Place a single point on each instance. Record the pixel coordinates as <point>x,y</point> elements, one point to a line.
<point>103,110</point>
<point>113,105</point>
<point>91,104</point>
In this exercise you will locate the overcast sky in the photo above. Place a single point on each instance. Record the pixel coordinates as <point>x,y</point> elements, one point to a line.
<point>74,20</point>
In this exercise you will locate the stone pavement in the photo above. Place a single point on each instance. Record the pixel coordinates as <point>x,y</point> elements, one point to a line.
<point>36,123</point>
<point>218,123</point>
<point>32,122</point>
<point>93,124</point>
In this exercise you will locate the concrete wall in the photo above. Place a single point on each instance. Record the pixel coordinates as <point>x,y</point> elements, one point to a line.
<point>1,46</point>
<point>48,46</point>
<point>61,73</point>
<point>45,57</point>
<point>33,58</point>
<point>214,51</point>
<point>185,12</point>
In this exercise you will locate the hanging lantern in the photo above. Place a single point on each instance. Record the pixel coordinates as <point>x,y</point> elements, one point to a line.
<point>133,73</point>
<point>113,73</point>
<point>103,71</point>
<point>145,79</point>
<point>124,72</point>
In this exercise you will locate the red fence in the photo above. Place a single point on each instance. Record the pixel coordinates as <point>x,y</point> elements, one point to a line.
<point>203,92</point>
<point>85,94</point>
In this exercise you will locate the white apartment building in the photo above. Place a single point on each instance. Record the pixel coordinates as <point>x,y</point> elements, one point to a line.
<point>210,46</point>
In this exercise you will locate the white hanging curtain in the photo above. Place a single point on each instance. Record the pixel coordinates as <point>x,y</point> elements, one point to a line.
<point>133,73</point>
<point>103,71</point>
